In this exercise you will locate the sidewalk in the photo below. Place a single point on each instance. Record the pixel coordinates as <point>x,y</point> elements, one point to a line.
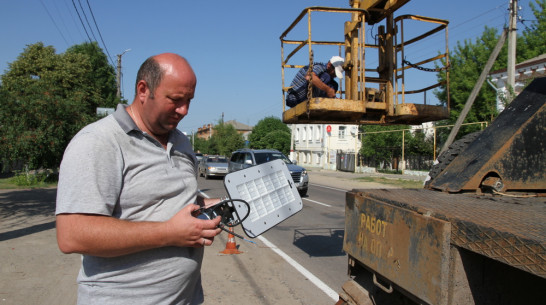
<point>349,180</point>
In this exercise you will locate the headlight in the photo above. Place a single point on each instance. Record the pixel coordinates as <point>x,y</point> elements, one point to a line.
<point>212,168</point>
<point>304,173</point>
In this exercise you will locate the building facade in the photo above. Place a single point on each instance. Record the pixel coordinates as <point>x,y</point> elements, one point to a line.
<point>529,69</point>
<point>207,131</point>
<point>317,145</point>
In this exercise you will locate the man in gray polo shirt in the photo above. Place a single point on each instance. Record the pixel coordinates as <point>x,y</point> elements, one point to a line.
<point>127,190</point>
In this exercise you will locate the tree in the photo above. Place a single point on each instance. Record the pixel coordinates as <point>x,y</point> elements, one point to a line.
<point>46,99</point>
<point>201,145</point>
<point>534,35</point>
<point>102,74</point>
<point>467,61</point>
<point>277,139</point>
<point>280,139</point>
<point>225,140</point>
<point>380,145</point>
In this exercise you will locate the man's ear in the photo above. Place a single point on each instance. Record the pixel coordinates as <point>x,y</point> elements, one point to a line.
<point>143,91</point>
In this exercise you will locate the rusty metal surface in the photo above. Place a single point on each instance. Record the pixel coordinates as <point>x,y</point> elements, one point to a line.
<point>509,230</point>
<point>344,111</point>
<point>512,148</point>
<point>409,249</point>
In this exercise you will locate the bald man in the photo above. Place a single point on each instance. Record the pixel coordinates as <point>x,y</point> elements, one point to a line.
<point>127,189</point>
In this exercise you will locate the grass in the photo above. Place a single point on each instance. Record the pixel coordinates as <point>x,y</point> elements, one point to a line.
<point>24,180</point>
<point>402,183</point>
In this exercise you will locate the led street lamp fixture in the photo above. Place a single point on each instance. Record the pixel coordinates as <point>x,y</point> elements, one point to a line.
<point>270,192</point>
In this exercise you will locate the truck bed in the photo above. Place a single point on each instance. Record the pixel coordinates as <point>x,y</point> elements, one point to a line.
<point>408,236</point>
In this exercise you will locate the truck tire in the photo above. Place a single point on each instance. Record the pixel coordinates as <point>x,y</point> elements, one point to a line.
<point>449,155</point>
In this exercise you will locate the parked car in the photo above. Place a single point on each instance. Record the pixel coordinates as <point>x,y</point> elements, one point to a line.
<point>245,158</point>
<point>213,166</point>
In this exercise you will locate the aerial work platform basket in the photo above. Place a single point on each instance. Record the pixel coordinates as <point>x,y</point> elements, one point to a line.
<point>377,95</point>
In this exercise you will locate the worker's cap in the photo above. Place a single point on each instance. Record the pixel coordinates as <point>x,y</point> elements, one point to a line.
<point>337,62</point>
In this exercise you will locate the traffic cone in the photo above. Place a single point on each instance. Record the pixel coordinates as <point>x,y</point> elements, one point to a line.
<point>231,246</point>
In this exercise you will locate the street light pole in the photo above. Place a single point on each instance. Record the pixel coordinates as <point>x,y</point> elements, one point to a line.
<point>118,74</point>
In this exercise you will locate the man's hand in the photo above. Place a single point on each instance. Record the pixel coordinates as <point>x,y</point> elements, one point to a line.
<point>189,231</point>
<point>331,93</point>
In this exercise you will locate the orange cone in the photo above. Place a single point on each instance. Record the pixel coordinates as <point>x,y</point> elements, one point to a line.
<point>231,246</point>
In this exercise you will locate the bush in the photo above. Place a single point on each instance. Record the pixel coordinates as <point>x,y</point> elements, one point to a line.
<point>35,178</point>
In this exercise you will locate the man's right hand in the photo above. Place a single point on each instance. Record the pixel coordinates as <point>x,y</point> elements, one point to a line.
<point>189,231</point>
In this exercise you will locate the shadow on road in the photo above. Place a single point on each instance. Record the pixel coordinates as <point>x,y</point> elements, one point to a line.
<point>320,242</point>
<point>23,206</point>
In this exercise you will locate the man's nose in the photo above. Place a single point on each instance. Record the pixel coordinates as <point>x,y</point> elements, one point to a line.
<point>183,109</point>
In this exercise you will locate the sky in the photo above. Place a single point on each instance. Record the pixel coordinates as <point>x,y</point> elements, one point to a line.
<point>233,46</point>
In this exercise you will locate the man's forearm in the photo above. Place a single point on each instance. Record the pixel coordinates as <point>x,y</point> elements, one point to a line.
<point>322,86</point>
<point>107,236</point>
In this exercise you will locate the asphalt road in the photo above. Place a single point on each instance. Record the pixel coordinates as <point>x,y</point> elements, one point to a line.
<point>300,261</point>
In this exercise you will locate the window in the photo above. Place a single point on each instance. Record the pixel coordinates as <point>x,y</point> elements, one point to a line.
<point>304,134</point>
<point>248,157</point>
<point>236,158</point>
<point>297,135</point>
<point>341,132</point>
<point>317,134</point>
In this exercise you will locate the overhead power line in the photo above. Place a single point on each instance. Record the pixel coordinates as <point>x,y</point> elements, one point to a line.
<point>87,21</point>
<point>81,21</point>
<point>54,23</point>
<point>100,35</point>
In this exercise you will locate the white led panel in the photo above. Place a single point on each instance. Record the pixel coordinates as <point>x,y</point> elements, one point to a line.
<point>270,192</point>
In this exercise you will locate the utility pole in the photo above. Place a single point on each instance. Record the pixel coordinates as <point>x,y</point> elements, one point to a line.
<point>118,74</point>
<point>512,36</point>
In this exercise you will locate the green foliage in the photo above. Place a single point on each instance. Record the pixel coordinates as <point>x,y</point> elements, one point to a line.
<point>44,100</point>
<point>225,140</point>
<point>277,139</point>
<point>468,59</point>
<point>417,144</point>
<point>260,138</point>
<point>33,179</point>
<point>467,62</point>
<point>385,146</point>
<point>102,74</point>
<point>534,34</point>
<point>202,146</point>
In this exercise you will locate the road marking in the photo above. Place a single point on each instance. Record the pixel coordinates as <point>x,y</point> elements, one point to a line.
<point>315,280</point>
<point>204,195</point>
<point>324,204</point>
<point>328,187</point>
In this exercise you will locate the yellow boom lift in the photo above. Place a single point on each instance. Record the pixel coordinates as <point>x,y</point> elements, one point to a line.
<point>369,95</point>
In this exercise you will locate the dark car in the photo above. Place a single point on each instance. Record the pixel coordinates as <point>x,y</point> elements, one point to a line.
<point>245,158</point>
<point>213,166</point>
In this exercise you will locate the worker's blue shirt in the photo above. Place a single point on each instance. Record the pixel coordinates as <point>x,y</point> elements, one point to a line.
<point>298,92</point>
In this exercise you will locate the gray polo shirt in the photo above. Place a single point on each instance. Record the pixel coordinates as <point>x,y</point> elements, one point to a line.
<point>112,168</point>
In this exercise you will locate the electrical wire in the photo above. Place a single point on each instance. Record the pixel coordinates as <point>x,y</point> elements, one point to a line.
<point>100,35</point>
<point>54,23</point>
<point>81,21</point>
<point>226,211</point>
<point>87,21</point>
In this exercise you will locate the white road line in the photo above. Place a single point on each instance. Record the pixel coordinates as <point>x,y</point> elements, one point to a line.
<point>328,187</point>
<point>204,195</point>
<point>315,280</point>
<point>324,204</point>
